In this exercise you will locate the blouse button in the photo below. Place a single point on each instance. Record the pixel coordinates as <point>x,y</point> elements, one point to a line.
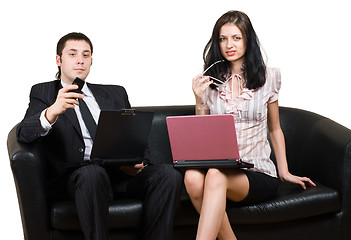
<point>81,150</point>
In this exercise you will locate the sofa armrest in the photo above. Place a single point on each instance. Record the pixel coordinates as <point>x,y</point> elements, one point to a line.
<point>327,155</point>
<point>320,148</point>
<point>317,147</point>
<point>27,169</point>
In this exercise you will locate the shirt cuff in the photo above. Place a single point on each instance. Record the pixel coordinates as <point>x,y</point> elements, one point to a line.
<point>45,125</point>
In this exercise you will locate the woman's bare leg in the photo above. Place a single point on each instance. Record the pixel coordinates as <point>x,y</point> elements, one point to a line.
<point>194,183</point>
<point>218,186</point>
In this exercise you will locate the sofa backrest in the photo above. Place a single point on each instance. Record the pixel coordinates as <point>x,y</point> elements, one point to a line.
<point>296,125</point>
<point>160,150</point>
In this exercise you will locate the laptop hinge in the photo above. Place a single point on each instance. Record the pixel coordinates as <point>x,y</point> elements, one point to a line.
<point>128,112</point>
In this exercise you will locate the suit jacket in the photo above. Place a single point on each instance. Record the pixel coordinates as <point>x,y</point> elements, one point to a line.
<point>64,143</point>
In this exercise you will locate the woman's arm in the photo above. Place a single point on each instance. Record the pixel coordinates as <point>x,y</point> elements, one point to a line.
<point>278,143</point>
<point>200,85</point>
<point>200,110</point>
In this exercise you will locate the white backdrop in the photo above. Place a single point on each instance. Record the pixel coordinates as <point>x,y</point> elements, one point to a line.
<point>154,48</point>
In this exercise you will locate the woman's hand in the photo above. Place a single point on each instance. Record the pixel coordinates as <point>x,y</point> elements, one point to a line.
<point>200,85</point>
<point>302,181</point>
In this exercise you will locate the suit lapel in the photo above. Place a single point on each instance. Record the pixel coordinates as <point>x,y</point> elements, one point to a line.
<point>70,114</point>
<point>102,98</point>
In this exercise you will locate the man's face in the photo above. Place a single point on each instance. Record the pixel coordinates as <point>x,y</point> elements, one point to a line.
<point>75,61</point>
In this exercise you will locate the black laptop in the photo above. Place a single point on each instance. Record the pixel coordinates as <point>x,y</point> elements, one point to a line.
<point>121,137</point>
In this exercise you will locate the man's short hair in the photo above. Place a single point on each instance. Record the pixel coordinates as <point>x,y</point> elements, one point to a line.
<point>62,42</point>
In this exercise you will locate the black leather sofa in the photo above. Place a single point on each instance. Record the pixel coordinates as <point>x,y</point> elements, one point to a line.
<point>316,147</point>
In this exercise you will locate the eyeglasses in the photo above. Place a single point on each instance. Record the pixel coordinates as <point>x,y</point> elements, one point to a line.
<point>213,78</point>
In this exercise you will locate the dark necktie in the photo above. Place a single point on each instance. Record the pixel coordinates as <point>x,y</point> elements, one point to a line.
<point>88,118</point>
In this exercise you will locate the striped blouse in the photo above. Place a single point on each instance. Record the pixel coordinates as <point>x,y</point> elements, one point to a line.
<point>250,112</point>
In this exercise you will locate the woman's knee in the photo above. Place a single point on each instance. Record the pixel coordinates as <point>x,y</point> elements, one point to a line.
<point>215,178</point>
<point>194,182</point>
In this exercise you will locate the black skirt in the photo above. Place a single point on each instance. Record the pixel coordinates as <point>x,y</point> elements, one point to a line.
<point>262,188</point>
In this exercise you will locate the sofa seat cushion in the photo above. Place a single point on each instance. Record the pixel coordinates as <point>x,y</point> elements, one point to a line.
<point>291,203</point>
<point>124,213</point>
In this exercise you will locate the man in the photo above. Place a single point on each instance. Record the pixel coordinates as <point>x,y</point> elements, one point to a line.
<point>54,117</point>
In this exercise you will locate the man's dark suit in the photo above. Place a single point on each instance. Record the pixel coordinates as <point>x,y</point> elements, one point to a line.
<point>64,145</point>
<point>65,142</point>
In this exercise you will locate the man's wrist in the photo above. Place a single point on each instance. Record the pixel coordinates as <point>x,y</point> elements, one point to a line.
<point>45,124</point>
<point>50,117</point>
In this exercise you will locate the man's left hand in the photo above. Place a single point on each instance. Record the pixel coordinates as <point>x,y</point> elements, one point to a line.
<point>132,170</point>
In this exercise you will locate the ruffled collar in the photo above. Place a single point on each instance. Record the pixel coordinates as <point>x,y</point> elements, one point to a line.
<point>225,93</point>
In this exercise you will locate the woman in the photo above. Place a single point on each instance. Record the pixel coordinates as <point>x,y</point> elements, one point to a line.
<point>236,81</point>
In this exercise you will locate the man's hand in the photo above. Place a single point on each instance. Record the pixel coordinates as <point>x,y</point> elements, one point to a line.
<point>132,170</point>
<point>64,100</point>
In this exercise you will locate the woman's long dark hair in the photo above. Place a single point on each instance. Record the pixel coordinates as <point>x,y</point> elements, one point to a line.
<point>255,68</point>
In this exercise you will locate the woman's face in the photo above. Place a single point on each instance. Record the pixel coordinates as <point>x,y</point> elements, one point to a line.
<point>232,44</point>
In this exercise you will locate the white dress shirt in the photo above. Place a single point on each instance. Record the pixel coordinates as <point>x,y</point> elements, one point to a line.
<point>95,111</point>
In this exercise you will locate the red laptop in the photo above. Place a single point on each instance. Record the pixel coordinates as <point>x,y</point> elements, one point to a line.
<point>203,141</point>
